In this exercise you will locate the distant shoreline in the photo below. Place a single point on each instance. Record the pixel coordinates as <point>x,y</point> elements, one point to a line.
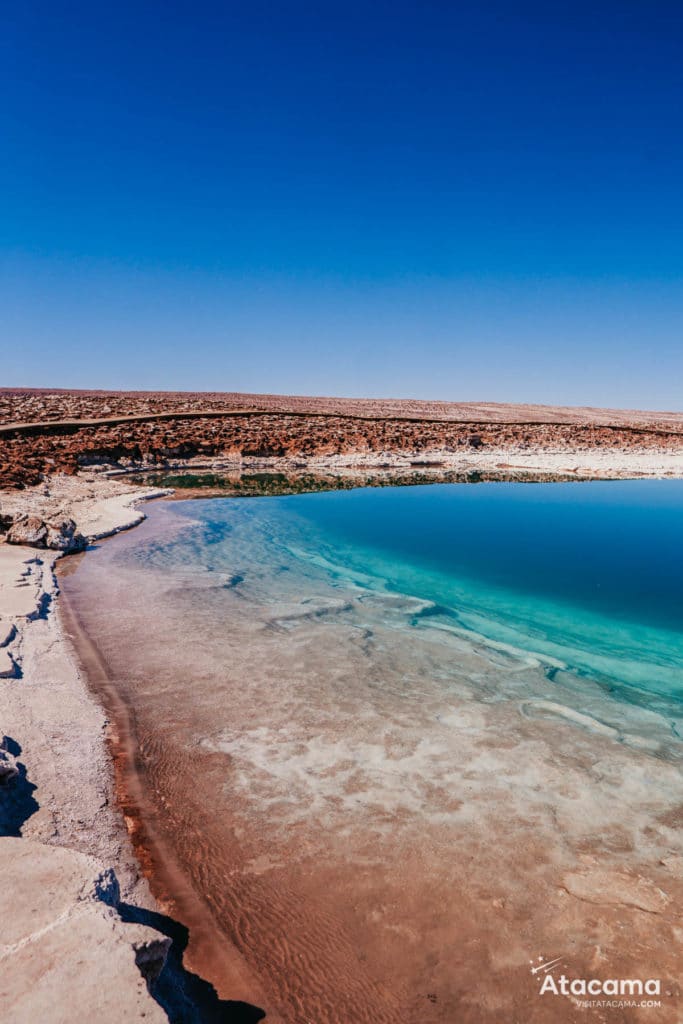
<point>47,432</point>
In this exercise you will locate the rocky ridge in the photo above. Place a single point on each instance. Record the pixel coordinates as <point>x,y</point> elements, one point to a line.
<point>47,432</point>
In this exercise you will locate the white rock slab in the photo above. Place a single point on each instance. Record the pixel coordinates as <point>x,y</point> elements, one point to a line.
<point>62,947</point>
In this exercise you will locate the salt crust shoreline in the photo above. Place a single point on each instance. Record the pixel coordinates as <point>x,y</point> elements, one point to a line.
<point>63,942</point>
<point>58,875</point>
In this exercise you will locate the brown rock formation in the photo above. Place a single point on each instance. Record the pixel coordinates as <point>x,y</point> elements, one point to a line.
<point>44,432</point>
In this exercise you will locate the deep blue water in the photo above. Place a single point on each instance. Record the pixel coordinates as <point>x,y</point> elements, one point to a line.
<point>614,547</point>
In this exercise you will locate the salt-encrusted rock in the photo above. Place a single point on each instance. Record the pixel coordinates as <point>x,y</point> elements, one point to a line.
<point>56,534</point>
<point>107,888</point>
<point>65,952</point>
<point>62,535</point>
<point>29,530</point>
<point>8,667</point>
<point>604,886</point>
<point>7,631</point>
<point>8,765</point>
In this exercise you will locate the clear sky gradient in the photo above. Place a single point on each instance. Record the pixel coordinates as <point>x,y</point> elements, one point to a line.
<point>476,201</point>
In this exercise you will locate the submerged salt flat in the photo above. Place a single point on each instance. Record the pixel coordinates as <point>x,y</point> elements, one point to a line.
<point>579,577</point>
<point>422,729</point>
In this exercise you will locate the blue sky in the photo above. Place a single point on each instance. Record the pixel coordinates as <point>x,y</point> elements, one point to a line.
<point>477,201</point>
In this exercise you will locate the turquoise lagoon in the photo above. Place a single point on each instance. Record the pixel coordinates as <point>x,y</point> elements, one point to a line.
<point>585,577</point>
<point>393,733</point>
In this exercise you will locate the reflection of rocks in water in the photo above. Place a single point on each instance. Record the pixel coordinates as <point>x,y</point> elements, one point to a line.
<point>205,484</point>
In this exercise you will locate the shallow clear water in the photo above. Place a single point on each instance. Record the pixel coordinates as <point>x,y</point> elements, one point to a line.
<point>588,576</point>
<point>392,734</point>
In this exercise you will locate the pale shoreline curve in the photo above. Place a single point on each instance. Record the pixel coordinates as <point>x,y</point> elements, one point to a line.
<point>60,830</point>
<point>59,801</point>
